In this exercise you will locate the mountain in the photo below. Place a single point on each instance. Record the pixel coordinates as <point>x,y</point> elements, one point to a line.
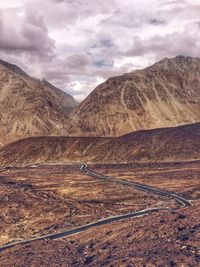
<point>159,145</point>
<point>67,101</point>
<point>30,107</point>
<point>165,94</point>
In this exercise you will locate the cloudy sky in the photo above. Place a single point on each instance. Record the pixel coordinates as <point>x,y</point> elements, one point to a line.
<point>77,44</point>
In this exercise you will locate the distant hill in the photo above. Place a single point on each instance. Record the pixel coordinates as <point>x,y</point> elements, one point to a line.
<point>158,145</point>
<point>30,107</point>
<point>163,95</point>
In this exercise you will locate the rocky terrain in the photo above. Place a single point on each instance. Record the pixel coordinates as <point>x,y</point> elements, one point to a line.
<point>165,94</point>
<point>44,253</point>
<point>30,107</point>
<point>142,127</point>
<point>158,145</point>
<point>33,204</point>
<point>167,238</point>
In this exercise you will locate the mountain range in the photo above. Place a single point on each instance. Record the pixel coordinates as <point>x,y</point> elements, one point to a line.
<point>166,94</point>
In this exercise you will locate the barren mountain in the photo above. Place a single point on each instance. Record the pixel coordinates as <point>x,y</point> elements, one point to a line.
<point>163,95</point>
<point>30,107</point>
<point>158,145</point>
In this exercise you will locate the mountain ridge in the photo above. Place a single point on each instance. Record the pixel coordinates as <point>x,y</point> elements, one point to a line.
<point>165,94</point>
<point>30,107</point>
<point>146,146</point>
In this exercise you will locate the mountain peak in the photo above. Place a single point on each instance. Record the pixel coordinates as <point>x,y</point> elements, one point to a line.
<point>180,59</point>
<point>184,59</point>
<point>30,107</point>
<point>163,95</point>
<point>14,68</point>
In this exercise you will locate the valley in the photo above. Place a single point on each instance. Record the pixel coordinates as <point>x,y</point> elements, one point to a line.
<point>76,197</point>
<point>111,181</point>
<point>67,195</point>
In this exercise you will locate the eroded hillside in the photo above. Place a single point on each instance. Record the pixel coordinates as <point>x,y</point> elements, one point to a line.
<point>158,145</point>
<point>30,107</point>
<point>165,94</point>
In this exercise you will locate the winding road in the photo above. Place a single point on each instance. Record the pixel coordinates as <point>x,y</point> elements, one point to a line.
<point>138,186</point>
<point>180,200</point>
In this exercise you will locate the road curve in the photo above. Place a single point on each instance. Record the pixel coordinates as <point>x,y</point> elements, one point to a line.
<point>110,219</point>
<point>184,202</point>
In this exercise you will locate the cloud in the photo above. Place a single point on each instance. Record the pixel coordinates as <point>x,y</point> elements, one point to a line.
<point>78,62</point>
<point>25,33</point>
<point>156,22</point>
<point>76,44</point>
<point>185,43</point>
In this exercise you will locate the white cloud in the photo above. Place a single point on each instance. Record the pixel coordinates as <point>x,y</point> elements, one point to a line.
<point>77,44</point>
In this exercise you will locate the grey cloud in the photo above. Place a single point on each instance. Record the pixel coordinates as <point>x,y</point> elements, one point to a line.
<point>156,22</point>
<point>36,21</point>
<point>135,17</point>
<point>173,2</point>
<point>78,61</point>
<point>107,43</point>
<point>106,72</point>
<point>75,43</point>
<point>184,43</point>
<point>62,13</point>
<point>123,19</point>
<point>26,34</point>
<point>100,63</point>
<point>62,71</point>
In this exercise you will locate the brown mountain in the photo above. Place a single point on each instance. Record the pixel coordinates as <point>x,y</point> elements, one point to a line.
<point>158,145</point>
<point>67,101</point>
<point>30,107</point>
<point>163,95</point>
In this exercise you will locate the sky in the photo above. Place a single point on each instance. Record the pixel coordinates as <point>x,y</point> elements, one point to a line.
<point>77,44</point>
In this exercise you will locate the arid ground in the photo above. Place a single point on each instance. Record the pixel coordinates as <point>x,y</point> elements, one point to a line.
<point>43,199</point>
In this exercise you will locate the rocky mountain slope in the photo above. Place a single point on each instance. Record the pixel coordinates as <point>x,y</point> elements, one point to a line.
<point>158,145</point>
<point>165,94</point>
<point>30,107</point>
<point>67,101</point>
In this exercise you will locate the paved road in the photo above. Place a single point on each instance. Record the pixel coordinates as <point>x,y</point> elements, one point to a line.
<point>184,202</point>
<point>107,220</point>
<point>86,227</point>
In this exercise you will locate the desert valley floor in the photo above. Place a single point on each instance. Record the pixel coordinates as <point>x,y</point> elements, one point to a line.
<point>44,199</point>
